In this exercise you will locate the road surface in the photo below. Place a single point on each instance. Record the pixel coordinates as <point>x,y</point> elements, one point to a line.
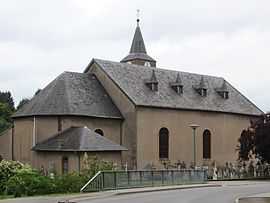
<point>225,194</point>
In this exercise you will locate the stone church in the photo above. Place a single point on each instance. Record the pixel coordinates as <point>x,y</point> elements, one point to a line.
<point>130,112</point>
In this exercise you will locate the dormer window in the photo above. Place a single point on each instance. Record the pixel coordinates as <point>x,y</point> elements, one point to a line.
<point>201,88</point>
<point>152,83</point>
<point>223,91</point>
<point>202,92</point>
<point>177,85</point>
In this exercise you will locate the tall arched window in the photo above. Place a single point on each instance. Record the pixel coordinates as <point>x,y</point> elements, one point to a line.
<point>99,131</point>
<point>206,144</point>
<point>64,164</point>
<point>163,143</point>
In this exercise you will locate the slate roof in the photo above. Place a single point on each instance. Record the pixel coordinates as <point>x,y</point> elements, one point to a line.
<point>130,79</point>
<point>137,50</point>
<point>77,138</point>
<point>72,94</point>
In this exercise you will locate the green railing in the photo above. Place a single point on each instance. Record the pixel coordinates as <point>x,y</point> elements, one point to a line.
<point>111,180</point>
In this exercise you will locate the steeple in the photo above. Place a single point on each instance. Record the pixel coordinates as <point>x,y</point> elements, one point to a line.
<point>137,54</point>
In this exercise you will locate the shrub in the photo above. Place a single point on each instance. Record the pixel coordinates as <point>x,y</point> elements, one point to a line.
<point>8,169</point>
<point>70,182</point>
<point>29,184</point>
<point>93,164</point>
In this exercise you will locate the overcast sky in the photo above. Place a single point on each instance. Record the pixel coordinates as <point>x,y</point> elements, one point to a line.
<point>225,38</point>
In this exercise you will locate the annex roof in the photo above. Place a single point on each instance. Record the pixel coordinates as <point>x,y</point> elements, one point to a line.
<point>130,79</point>
<point>77,138</point>
<point>72,94</point>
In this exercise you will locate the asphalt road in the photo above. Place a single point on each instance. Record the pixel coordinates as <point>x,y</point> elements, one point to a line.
<point>225,194</point>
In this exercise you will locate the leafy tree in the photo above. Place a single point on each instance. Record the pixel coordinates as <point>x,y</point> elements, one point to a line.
<point>93,164</point>
<point>5,98</point>
<point>22,102</point>
<point>6,110</point>
<point>255,140</point>
<point>26,100</point>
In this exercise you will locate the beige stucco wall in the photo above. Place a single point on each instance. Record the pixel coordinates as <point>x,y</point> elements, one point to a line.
<point>225,130</point>
<point>53,160</point>
<point>110,127</point>
<point>31,130</point>
<point>126,107</point>
<point>6,144</point>
<point>23,140</point>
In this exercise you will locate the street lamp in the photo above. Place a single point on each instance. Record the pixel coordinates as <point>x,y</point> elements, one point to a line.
<point>194,127</point>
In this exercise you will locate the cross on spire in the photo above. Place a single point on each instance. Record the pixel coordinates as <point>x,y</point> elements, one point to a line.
<point>138,16</point>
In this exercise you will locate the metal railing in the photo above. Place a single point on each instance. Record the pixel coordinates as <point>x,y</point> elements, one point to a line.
<point>111,180</point>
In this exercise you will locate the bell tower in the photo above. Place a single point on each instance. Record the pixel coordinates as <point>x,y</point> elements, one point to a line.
<point>137,54</point>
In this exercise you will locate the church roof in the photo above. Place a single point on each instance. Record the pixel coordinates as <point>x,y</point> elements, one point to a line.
<point>77,138</point>
<point>137,50</point>
<point>130,79</point>
<point>72,94</point>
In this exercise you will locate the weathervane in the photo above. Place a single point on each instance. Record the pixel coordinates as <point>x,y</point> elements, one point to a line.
<point>138,16</point>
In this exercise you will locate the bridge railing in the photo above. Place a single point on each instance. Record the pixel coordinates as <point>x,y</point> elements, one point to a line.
<point>111,180</point>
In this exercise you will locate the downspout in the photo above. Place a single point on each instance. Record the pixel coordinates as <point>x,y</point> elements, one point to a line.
<point>12,144</point>
<point>34,132</point>
<point>79,162</point>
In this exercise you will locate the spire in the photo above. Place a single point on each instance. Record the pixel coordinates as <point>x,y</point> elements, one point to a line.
<point>137,54</point>
<point>137,45</point>
<point>178,80</point>
<point>153,77</point>
<point>202,84</point>
<point>224,86</point>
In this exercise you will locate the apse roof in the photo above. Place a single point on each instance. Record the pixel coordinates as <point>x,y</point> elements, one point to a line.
<point>72,94</point>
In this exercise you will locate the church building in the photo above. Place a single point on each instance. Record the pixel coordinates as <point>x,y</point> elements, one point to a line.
<point>132,113</point>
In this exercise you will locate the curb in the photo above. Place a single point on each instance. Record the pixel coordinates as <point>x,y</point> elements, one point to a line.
<point>165,189</point>
<point>138,190</point>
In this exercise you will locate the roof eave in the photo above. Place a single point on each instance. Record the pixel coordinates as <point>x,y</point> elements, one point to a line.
<point>196,109</point>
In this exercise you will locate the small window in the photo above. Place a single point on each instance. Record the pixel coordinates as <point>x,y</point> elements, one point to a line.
<point>154,86</point>
<point>147,64</point>
<point>226,95</point>
<point>204,92</point>
<point>206,144</point>
<point>163,143</point>
<point>99,131</point>
<point>178,89</point>
<point>64,165</point>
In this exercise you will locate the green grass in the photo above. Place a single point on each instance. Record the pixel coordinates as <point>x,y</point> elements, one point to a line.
<point>47,195</point>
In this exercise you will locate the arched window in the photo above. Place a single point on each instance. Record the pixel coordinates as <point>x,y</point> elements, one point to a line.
<point>163,143</point>
<point>64,164</point>
<point>99,131</point>
<point>206,144</point>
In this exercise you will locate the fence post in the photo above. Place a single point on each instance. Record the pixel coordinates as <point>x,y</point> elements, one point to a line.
<point>103,181</point>
<point>128,176</point>
<point>114,177</point>
<point>152,177</point>
<point>172,178</point>
<point>141,177</point>
<point>162,177</point>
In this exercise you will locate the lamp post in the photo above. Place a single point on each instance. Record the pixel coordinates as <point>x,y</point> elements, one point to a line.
<point>194,127</point>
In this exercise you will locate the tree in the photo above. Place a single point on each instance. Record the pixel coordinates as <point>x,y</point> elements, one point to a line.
<point>22,102</point>
<point>255,140</point>
<point>5,98</point>
<point>6,110</point>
